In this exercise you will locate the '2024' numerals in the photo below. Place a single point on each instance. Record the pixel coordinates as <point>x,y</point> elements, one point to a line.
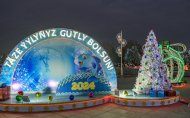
<point>83,86</point>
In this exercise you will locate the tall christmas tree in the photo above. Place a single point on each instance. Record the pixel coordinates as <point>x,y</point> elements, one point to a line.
<point>152,74</point>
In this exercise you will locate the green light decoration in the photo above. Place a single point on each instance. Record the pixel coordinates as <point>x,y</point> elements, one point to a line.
<point>171,57</point>
<point>38,95</point>
<point>50,98</point>
<point>18,98</point>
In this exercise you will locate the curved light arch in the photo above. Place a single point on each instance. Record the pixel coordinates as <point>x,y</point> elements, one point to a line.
<point>174,56</point>
<point>180,45</point>
<point>180,74</point>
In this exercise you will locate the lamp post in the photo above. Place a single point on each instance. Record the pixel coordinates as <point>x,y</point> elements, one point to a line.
<point>119,51</point>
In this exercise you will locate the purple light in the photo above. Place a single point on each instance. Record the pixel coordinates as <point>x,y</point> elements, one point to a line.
<point>16,86</point>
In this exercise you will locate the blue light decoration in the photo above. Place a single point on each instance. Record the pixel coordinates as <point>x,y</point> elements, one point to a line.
<point>71,97</point>
<point>66,60</point>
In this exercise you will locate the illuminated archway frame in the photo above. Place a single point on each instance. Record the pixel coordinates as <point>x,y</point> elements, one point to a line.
<point>20,49</point>
<point>171,56</point>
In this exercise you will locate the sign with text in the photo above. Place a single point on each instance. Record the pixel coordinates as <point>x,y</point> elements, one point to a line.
<point>46,57</point>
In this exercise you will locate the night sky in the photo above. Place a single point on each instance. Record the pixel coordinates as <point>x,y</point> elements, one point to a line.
<point>100,19</point>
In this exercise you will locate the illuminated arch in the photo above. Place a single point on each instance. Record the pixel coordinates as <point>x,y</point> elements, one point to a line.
<point>172,57</point>
<point>35,39</point>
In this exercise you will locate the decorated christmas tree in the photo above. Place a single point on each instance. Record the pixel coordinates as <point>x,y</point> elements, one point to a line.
<point>152,74</point>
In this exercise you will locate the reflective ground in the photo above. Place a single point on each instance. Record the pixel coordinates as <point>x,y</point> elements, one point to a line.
<point>179,110</point>
<point>109,110</point>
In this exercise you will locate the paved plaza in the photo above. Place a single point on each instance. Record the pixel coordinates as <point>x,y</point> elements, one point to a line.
<point>179,110</point>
